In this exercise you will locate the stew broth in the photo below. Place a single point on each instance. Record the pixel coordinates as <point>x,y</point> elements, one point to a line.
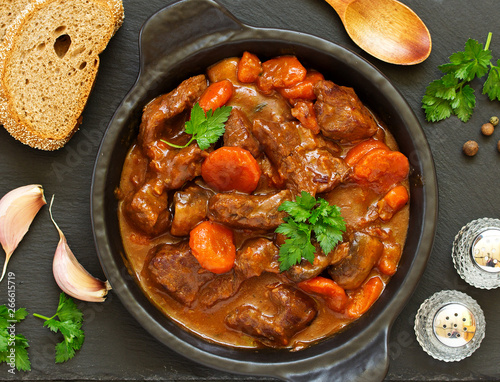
<point>219,296</point>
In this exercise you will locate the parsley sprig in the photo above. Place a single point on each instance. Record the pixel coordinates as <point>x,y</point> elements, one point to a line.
<point>205,128</point>
<point>452,94</point>
<point>19,343</point>
<point>68,321</point>
<point>308,216</point>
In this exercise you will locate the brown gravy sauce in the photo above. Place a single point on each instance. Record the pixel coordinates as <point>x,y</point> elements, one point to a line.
<point>211,326</point>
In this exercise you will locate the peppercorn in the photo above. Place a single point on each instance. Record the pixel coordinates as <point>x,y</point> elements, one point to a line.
<point>470,148</point>
<point>494,120</point>
<point>487,128</point>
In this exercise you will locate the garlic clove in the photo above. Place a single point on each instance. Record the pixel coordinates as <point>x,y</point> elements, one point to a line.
<point>71,276</point>
<point>18,208</point>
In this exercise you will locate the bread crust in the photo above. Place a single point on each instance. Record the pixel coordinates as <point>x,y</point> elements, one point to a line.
<point>18,125</point>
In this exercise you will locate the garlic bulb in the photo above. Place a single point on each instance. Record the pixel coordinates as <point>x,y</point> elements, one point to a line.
<point>71,276</point>
<point>18,208</point>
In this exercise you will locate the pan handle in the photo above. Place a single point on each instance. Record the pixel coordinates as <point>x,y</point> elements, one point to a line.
<point>184,23</point>
<point>369,364</point>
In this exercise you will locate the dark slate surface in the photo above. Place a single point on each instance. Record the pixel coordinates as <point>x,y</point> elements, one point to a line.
<point>116,347</point>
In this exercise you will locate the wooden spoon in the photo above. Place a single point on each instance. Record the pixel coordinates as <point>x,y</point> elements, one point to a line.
<point>387,29</point>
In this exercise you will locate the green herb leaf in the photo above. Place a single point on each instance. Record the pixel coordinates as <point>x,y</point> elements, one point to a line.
<point>22,359</point>
<point>260,106</point>
<point>197,118</point>
<point>4,342</point>
<point>464,103</point>
<point>67,321</point>
<point>451,94</point>
<point>67,310</point>
<point>18,344</point>
<point>492,85</point>
<point>436,109</point>
<point>300,210</point>
<point>471,63</point>
<point>308,216</point>
<point>205,128</point>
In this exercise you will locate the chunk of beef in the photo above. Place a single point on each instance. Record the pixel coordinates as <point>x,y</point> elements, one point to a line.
<point>295,311</point>
<point>280,139</point>
<point>248,211</point>
<point>364,253</point>
<point>304,161</point>
<point>147,208</point>
<point>304,112</point>
<point>158,112</point>
<point>238,133</point>
<point>340,113</point>
<point>355,205</point>
<point>314,171</point>
<point>256,256</point>
<point>221,288</point>
<point>176,166</point>
<point>190,208</point>
<point>270,178</point>
<point>175,268</point>
<point>247,97</point>
<point>305,270</point>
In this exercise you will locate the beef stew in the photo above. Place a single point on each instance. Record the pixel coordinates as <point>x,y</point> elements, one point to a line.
<point>305,133</point>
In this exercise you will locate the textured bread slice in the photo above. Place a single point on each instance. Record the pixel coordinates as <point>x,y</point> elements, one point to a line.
<point>9,10</point>
<point>48,63</point>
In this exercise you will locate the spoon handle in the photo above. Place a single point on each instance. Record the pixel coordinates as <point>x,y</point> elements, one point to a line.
<point>340,6</point>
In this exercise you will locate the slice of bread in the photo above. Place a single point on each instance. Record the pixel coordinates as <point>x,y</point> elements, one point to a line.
<point>49,59</point>
<point>9,10</point>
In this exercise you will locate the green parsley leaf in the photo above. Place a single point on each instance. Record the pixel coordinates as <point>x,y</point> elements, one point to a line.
<point>17,345</point>
<point>67,310</point>
<point>436,109</point>
<point>22,359</point>
<point>492,85</point>
<point>4,342</point>
<point>300,210</point>
<point>205,128</point>
<point>67,321</point>
<point>451,94</point>
<point>464,103</point>
<point>197,118</point>
<point>471,63</point>
<point>308,216</point>
<point>293,250</point>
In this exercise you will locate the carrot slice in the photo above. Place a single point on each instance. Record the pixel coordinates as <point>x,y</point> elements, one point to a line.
<point>388,262</point>
<point>364,298</point>
<point>231,168</point>
<point>304,112</point>
<point>397,197</point>
<point>334,294</point>
<point>249,68</point>
<point>361,149</point>
<point>392,202</point>
<point>381,169</point>
<point>216,95</point>
<point>213,246</point>
<point>280,72</point>
<point>304,89</point>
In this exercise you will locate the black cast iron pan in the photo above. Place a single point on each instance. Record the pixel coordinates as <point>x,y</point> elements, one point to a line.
<point>183,40</point>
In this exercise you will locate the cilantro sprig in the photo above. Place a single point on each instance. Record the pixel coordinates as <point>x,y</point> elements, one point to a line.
<point>68,321</point>
<point>452,94</point>
<point>308,216</point>
<point>205,128</point>
<point>18,344</point>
